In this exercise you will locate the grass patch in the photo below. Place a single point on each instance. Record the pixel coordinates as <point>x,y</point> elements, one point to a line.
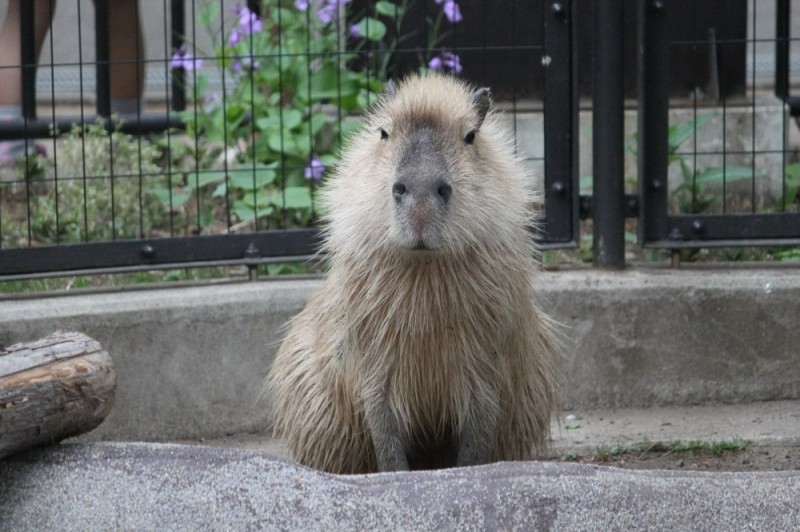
<point>607,453</point>
<point>174,276</point>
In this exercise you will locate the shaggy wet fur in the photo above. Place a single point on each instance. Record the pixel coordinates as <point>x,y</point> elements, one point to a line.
<point>447,337</point>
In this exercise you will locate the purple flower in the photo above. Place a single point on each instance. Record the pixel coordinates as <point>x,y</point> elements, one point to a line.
<point>315,169</point>
<point>355,32</point>
<point>235,37</point>
<point>452,11</point>
<point>184,59</point>
<point>211,100</point>
<point>245,63</point>
<point>326,13</point>
<point>327,8</point>
<point>249,22</point>
<point>446,60</point>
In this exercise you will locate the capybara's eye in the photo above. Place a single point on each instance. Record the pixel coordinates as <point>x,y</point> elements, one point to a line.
<point>384,134</point>
<point>470,137</point>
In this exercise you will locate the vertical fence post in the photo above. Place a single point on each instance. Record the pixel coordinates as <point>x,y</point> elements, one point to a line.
<point>102,57</point>
<point>608,113</point>
<point>178,17</point>
<point>653,151</point>
<point>782,35</point>
<point>28,58</point>
<point>561,221</point>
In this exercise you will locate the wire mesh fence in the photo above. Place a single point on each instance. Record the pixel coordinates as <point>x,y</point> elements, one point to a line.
<point>199,118</point>
<point>730,140</point>
<point>141,134</point>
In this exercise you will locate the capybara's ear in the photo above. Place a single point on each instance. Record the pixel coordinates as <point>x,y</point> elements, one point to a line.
<point>482,100</point>
<point>391,89</point>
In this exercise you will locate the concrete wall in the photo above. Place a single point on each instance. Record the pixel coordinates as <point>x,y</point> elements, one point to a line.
<point>191,360</point>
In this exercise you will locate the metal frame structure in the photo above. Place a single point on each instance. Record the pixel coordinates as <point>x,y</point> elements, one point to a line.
<point>558,228</point>
<point>608,206</point>
<point>658,228</point>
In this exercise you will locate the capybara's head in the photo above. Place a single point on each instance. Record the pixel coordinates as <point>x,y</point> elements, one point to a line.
<point>428,173</point>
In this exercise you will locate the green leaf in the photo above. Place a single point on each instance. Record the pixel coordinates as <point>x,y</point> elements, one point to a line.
<point>205,177</point>
<point>318,121</point>
<point>294,145</point>
<point>178,197</point>
<point>220,191</point>
<point>371,28</point>
<point>327,158</point>
<point>267,123</point>
<point>248,177</point>
<point>293,198</point>
<point>793,173</point>
<point>201,85</point>
<point>276,141</point>
<point>682,131</point>
<point>292,118</point>
<point>365,98</point>
<point>388,9</point>
<point>243,211</point>
<point>208,14</point>
<point>350,127</point>
<point>728,174</point>
<point>302,145</point>
<point>330,84</point>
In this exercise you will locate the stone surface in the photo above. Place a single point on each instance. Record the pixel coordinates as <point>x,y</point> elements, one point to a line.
<point>191,361</point>
<point>174,487</point>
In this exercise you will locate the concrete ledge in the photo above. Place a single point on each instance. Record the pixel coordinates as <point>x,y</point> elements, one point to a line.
<point>177,487</point>
<point>191,360</point>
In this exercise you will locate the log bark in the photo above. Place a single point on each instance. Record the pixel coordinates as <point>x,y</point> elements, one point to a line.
<point>60,386</point>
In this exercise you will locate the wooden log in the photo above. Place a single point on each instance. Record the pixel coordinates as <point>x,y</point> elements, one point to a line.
<point>53,388</point>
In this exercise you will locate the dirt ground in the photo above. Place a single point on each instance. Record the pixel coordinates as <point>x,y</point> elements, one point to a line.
<point>753,458</point>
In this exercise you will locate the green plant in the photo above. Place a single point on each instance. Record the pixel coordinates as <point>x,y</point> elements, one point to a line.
<point>98,190</point>
<point>300,71</point>
<point>604,453</point>
<point>716,447</point>
<point>792,184</point>
<point>791,254</point>
<point>695,194</point>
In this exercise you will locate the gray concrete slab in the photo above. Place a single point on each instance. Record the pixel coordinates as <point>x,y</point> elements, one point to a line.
<point>191,361</point>
<point>173,487</point>
<point>763,424</point>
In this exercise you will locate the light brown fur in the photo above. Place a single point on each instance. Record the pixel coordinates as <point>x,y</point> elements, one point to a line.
<point>447,338</point>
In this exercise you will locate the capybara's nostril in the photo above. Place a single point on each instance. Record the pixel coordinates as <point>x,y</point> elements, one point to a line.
<point>398,189</point>
<point>445,191</point>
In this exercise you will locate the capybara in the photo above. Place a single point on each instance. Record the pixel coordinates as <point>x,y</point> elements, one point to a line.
<point>425,347</point>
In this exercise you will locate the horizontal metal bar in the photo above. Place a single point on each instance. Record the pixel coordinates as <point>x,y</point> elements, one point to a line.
<point>709,244</point>
<point>160,267</point>
<point>158,252</point>
<point>43,128</point>
<point>733,229</point>
<point>630,206</point>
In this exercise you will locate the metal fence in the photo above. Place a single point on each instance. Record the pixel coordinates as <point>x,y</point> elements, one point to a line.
<point>242,106</point>
<point>726,173</point>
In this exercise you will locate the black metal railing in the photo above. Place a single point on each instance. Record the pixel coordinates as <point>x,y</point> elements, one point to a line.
<point>681,200</point>
<point>551,50</point>
<point>734,211</point>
